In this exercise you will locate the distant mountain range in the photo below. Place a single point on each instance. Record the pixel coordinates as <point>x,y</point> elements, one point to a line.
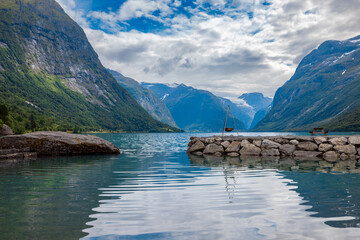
<point>146,98</point>
<point>193,109</point>
<point>52,79</point>
<point>323,92</point>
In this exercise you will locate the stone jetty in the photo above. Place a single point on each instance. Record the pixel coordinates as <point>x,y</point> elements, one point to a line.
<point>53,144</point>
<point>329,148</point>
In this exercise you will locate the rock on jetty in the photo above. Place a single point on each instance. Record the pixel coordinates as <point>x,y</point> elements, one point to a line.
<point>58,143</point>
<point>330,148</point>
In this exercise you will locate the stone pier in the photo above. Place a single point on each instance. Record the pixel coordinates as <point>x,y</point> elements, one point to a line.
<point>329,148</point>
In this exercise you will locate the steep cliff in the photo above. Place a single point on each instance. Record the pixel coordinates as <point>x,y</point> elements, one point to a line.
<point>50,73</point>
<point>324,91</point>
<point>146,98</point>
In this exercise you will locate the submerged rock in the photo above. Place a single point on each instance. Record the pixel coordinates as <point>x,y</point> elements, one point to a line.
<point>59,143</point>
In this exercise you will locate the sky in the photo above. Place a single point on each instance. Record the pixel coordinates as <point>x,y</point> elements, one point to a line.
<point>226,47</point>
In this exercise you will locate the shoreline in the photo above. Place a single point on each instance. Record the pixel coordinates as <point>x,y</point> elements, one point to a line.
<point>329,148</point>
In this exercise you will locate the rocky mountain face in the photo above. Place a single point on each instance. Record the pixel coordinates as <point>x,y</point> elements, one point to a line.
<point>146,98</point>
<point>324,91</point>
<point>50,72</point>
<point>193,109</point>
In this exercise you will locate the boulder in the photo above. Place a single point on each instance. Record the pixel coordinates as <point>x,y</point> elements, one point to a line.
<point>338,140</point>
<point>257,143</point>
<point>59,143</point>
<point>270,152</point>
<point>307,146</point>
<point>233,147</point>
<point>348,149</point>
<point>197,146</point>
<point>268,144</point>
<point>355,140</point>
<point>6,130</point>
<point>305,139</point>
<point>320,140</point>
<point>244,143</point>
<point>233,154</point>
<point>325,147</point>
<point>358,151</point>
<point>250,150</point>
<point>294,142</point>
<point>331,156</point>
<point>307,154</point>
<point>213,148</point>
<point>225,144</point>
<point>287,149</point>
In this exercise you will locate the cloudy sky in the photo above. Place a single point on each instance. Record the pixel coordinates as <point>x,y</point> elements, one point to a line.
<point>226,47</point>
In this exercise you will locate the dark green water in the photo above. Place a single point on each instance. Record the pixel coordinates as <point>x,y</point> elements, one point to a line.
<point>155,191</point>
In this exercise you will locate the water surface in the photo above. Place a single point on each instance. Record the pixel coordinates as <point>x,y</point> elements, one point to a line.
<point>154,190</point>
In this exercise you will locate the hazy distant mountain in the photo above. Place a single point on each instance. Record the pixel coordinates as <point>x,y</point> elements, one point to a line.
<point>259,105</point>
<point>256,100</point>
<point>243,112</point>
<point>146,98</point>
<point>193,109</point>
<point>324,91</point>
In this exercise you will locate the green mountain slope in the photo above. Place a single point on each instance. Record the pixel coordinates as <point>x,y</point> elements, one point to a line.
<point>323,92</point>
<point>146,98</point>
<point>51,77</point>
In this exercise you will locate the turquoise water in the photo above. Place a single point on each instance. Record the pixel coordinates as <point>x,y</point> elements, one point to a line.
<point>154,190</point>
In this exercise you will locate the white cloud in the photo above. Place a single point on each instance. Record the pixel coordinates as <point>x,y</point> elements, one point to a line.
<point>220,53</point>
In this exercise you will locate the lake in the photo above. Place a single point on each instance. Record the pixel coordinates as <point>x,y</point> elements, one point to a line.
<point>154,190</point>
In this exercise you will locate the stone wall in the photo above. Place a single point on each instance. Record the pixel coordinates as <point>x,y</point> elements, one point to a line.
<point>329,148</point>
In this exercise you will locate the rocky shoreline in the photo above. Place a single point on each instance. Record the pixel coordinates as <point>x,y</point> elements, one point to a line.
<point>31,145</point>
<point>329,148</point>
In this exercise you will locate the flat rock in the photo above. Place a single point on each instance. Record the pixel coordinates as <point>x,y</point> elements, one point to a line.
<point>320,140</point>
<point>338,140</point>
<point>325,147</point>
<point>197,146</point>
<point>209,140</point>
<point>6,130</point>
<point>331,156</point>
<point>307,146</point>
<point>287,149</point>
<point>348,149</point>
<point>294,142</point>
<point>233,147</point>
<point>268,144</point>
<point>213,148</point>
<point>355,140</point>
<point>59,143</point>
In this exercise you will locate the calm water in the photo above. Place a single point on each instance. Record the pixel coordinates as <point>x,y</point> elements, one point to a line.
<point>155,191</point>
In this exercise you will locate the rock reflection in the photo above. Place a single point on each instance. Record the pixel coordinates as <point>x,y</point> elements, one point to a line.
<point>286,164</point>
<point>330,189</point>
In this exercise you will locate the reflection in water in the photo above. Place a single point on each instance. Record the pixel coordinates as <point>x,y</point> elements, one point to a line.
<point>156,191</point>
